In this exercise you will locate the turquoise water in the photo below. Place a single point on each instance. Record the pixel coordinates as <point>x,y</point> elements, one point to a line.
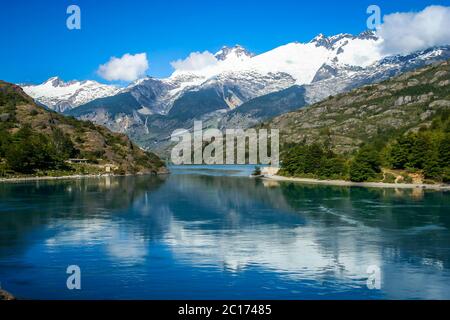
<point>217,234</point>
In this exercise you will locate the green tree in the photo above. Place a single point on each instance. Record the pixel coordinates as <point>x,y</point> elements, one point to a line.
<point>31,151</point>
<point>444,150</point>
<point>401,151</point>
<point>365,165</point>
<point>64,146</point>
<point>312,160</point>
<point>432,168</point>
<point>5,141</point>
<point>420,151</point>
<point>333,168</point>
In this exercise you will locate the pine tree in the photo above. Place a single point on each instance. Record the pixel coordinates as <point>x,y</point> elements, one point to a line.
<point>365,165</point>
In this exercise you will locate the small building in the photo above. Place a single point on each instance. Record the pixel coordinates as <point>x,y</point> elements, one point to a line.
<point>110,168</point>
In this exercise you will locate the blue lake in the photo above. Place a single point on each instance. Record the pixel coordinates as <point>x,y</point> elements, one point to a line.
<point>215,233</point>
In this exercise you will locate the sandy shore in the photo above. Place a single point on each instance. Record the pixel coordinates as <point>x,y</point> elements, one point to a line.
<point>343,183</point>
<point>24,179</point>
<point>74,177</point>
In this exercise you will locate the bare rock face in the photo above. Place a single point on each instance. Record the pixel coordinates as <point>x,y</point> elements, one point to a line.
<point>440,104</point>
<point>439,75</point>
<point>403,100</point>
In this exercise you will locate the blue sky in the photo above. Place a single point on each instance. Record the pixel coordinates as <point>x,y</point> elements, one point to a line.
<point>36,43</point>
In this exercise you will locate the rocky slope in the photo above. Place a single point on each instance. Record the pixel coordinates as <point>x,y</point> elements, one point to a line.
<point>407,102</point>
<point>93,142</point>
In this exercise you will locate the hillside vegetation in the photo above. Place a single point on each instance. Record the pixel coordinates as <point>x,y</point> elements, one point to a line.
<point>397,130</point>
<point>36,141</point>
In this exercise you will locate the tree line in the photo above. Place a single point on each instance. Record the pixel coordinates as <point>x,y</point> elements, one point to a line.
<point>27,150</point>
<point>425,151</point>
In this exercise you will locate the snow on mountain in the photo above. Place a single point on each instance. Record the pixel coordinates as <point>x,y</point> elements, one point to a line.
<point>61,96</point>
<point>236,53</point>
<point>299,60</point>
<point>239,75</point>
<point>344,80</point>
<point>149,109</point>
<point>303,60</point>
<point>156,96</point>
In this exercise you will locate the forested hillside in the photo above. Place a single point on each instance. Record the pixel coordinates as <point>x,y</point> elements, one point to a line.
<point>397,130</point>
<point>36,141</point>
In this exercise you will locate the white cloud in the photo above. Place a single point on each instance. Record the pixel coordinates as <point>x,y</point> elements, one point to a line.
<point>195,62</point>
<point>409,32</point>
<point>127,68</point>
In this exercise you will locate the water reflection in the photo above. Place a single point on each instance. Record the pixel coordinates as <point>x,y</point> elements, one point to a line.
<point>261,238</point>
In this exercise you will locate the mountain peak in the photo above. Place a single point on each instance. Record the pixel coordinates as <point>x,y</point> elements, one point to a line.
<point>237,51</point>
<point>321,41</point>
<point>319,37</point>
<point>54,81</point>
<point>368,35</point>
<point>139,81</point>
<point>332,42</point>
<point>58,82</point>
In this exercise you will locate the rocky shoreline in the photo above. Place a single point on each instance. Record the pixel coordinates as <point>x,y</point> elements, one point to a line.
<point>343,183</point>
<point>6,296</point>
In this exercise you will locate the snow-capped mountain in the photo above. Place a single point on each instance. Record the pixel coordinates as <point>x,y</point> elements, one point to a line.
<point>236,52</point>
<point>299,60</point>
<point>227,90</point>
<point>332,81</point>
<point>345,79</point>
<point>62,96</point>
<point>239,75</point>
<point>236,73</point>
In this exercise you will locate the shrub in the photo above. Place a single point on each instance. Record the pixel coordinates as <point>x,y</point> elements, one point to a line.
<point>389,178</point>
<point>446,175</point>
<point>407,179</point>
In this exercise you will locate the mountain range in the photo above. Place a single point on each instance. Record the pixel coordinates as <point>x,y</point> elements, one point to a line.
<point>237,89</point>
<point>61,96</point>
